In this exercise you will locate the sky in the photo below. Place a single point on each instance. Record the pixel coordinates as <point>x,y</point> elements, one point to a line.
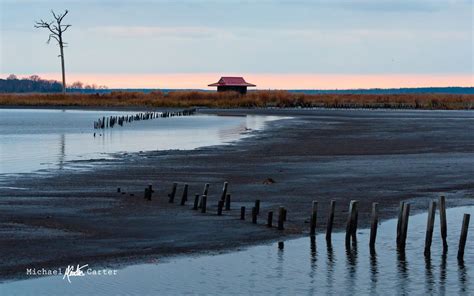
<point>274,44</point>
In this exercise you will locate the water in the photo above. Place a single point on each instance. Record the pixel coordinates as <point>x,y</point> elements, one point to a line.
<point>301,267</point>
<point>39,140</point>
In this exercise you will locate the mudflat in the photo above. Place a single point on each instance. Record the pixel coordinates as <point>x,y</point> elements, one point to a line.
<point>77,217</point>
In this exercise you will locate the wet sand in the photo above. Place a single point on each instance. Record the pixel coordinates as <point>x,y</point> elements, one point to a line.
<point>77,217</point>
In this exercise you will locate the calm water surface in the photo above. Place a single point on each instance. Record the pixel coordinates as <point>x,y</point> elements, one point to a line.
<point>302,267</point>
<point>38,140</point>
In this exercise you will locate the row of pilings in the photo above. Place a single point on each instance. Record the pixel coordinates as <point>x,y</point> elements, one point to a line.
<point>111,121</point>
<point>201,202</point>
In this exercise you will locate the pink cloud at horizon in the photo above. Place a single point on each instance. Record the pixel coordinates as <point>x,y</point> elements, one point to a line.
<point>268,81</point>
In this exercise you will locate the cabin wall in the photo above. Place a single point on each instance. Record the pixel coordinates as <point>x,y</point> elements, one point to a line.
<point>240,89</point>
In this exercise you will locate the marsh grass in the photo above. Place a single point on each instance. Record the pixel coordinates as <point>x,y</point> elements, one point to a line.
<point>254,99</point>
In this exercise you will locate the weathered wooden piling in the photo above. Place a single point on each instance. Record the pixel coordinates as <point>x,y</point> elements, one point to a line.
<point>227,202</point>
<point>270,219</point>
<point>242,213</point>
<point>203,203</point>
<point>399,222</point>
<point>429,227</point>
<point>351,226</point>
<point>254,215</point>
<point>257,206</point>
<point>313,218</point>
<point>355,221</point>
<point>463,236</point>
<point>406,215</point>
<point>224,191</point>
<point>281,246</point>
<point>206,189</point>
<point>173,193</point>
<point>184,197</point>
<point>373,226</point>
<point>220,205</point>
<point>443,222</point>
<point>330,221</point>
<point>196,202</point>
<point>148,192</point>
<point>281,220</point>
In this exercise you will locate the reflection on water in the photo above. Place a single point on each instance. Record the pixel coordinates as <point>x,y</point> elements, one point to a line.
<point>32,140</point>
<point>293,267</point>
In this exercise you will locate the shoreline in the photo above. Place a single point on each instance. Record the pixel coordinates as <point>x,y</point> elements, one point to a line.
<point>275,98</point>
<point>332,149</point>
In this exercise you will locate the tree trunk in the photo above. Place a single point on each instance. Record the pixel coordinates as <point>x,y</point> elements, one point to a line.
<point>62,64</point>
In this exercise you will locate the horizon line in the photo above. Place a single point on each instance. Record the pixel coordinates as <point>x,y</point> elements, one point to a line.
<point>265,81</point>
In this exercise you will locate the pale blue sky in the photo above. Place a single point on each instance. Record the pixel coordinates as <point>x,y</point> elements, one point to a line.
<point>339,37</point>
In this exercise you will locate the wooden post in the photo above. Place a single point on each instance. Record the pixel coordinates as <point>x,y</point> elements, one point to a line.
<point>220,205</point>
<point>203,203</point>
<point>281,213</point>
<point>150,187</point>
<point>173,193</point>
<point>184,197</point>
<point>406,215</point>
<point>242,213</point>
<point>196,202</point>
<point>314,215</point>
<point>148,192</point>
<point>330,222</point>
<point>351,217</point>
<point>227,202</point>
<point>354,221</point>
<point>254,215</point>
<point>270,219</point>
<point>442,220</point>
<point>463,237</point>
<point>399,222</point>
<point>284,214</point>
<point>224,191</point>
<point>257,206</point>
<point>429,227</point>
<point>373,226</point>
<point>281,246</point>
<point>206,189</point>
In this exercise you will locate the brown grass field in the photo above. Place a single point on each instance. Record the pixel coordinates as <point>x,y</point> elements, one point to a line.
<point>254,99</point>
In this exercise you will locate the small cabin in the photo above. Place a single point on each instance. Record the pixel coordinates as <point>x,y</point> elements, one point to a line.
<point>237,84</point>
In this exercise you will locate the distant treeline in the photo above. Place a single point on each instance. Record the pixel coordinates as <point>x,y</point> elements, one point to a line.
<point>373,91</point>
<point>35,84</point>
<point>254,99</point>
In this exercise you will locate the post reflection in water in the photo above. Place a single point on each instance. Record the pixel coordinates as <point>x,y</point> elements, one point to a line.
<point>462,275</point>
<point>402,267</point>
<point>442,274</point>
<point>280,260</point>
<point>330,265</point>
<point>428,274</point>
<point>351,262</point>
<point>62,151</point>
<point>312,260</point>
<point>313,252</point>
<point>373,272</point>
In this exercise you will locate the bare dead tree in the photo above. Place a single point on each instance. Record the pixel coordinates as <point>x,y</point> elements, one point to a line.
<point>56,30</point>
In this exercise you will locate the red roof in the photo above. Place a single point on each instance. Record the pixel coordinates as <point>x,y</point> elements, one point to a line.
<point>232,81</point>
